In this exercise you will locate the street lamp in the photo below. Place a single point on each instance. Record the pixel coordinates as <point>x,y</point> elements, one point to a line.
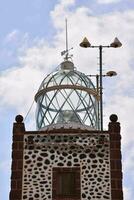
<point>86,44</point>
<point>108,74</point>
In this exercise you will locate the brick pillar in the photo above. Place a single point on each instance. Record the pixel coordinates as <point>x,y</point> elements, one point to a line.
<point>17,159</point>
<point>115,158</point>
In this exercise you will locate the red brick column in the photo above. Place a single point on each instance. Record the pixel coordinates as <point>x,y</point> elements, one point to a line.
<point>17,159</point>
<point>115,159</point>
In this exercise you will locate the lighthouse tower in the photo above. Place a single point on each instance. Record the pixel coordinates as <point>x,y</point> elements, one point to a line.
<point>67,157</point>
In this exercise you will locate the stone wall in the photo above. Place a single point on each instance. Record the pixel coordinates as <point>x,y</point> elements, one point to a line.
<point>90,152</point>
<point>97,154</point>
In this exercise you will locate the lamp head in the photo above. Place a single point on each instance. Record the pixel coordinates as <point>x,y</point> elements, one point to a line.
<point>111,73</point>
<point>116,43</point>
<point>85,43</point>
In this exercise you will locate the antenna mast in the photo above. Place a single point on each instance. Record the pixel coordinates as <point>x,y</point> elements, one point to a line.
<point>66,52</point>
<point>66,37</point>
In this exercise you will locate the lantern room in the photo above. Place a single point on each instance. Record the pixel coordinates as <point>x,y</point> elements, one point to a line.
<point>67,96</point>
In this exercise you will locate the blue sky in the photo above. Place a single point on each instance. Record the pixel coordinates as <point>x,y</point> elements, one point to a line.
<point>31,38</point>
<point>24,17</point>
<point>32,19</point>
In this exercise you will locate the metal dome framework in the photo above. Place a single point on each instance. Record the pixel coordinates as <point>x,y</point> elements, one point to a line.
<point>67,96</point>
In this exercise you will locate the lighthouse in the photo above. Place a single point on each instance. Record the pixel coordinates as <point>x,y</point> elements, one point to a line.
<point>67,157</point>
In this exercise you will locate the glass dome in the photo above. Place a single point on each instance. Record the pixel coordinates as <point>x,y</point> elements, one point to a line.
<point>67,96</point>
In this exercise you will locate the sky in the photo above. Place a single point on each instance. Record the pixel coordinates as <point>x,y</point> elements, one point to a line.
<point>32,36</point>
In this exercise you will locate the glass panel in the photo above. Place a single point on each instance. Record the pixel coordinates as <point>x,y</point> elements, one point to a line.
<point>65,105</point>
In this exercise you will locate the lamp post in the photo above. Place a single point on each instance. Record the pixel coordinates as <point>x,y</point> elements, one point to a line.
<point>108,74</point>
<point>86,44</point>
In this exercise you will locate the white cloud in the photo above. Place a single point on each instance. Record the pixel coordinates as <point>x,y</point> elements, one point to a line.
<point>12,35</point>
<point>101,29</point>
<point>128,194</point>
<point>108,1</point>
<point>19,84</point>
<point>15,36</point>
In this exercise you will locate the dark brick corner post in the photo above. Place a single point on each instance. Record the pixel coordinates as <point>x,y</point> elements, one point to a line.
<point>17,159</point>
<point>115,158</point>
